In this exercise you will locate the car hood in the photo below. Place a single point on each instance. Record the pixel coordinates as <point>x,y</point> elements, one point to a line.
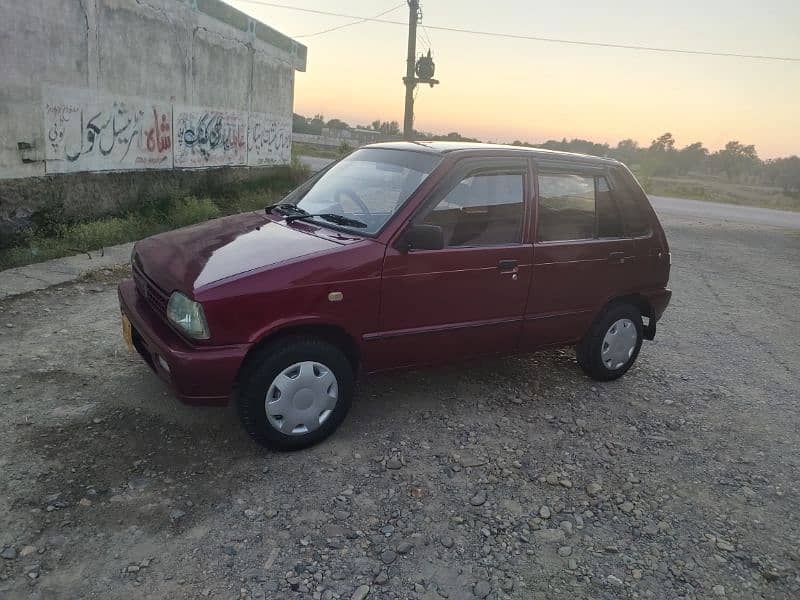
<point>190,258</point>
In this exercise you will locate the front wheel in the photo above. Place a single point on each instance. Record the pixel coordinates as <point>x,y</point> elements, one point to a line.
<point>295,392</point>
<point>612,344</point>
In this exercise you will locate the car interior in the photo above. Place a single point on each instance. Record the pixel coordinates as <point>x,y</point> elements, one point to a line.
<point>483,210</point>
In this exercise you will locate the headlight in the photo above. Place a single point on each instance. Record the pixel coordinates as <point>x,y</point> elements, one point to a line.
<point>187,315</point>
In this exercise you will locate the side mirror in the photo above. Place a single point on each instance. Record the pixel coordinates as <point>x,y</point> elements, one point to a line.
<point>423,237</point>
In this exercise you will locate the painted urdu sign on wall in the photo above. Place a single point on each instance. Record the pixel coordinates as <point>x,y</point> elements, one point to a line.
<point>90,131</point>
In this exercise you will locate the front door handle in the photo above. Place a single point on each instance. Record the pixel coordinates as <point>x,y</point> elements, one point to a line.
<point>509,267</point>
<point>616,257</point>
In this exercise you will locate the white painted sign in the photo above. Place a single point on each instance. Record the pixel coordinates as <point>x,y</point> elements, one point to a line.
<point>87,131</point>
<point>269,140</point>
<point>207,137</point>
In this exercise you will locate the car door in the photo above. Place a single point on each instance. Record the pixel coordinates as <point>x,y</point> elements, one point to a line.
<point>582,257</point>
<point>649,246</point>
<point>467,298</point>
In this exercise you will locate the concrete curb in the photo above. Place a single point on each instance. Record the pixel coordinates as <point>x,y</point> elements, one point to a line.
<point>39,276</point>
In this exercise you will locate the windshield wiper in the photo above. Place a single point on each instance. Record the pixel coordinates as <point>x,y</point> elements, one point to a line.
<point>285,207</point>
<point>338,219</point>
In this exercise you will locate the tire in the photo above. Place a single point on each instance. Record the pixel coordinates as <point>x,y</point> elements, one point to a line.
<point>296,374</point>
<point>605,363</point>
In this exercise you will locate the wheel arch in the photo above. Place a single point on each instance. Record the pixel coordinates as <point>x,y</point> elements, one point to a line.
<point>643,305</point>
<point>333,334</point>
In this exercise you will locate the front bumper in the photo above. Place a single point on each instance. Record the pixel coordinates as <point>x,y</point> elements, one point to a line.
<point>197,374</point>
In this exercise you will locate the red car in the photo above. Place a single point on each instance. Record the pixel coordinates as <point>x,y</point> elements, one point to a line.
<point>399,256</point>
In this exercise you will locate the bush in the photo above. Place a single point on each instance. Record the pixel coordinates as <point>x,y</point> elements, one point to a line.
<point>52,236</point>
<point>190,210</point>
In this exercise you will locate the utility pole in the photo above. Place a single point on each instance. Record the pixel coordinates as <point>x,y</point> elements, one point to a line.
<point>411,61</point>
<point>418,70</point>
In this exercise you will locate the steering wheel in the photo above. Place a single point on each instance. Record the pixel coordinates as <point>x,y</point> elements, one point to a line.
<point>354,197</point>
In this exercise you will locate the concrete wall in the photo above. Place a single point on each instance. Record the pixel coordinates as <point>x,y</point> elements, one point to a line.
<point>129,59</point>
<point>355,138</point>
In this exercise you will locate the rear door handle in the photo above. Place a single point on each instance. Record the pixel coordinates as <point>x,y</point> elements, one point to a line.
<point>616,257</point>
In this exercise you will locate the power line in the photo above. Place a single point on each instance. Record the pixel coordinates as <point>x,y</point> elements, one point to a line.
<point>533,38</point>
<point>358,22</point>
<point>426,38</point>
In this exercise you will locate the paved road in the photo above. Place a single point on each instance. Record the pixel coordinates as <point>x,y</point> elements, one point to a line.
<point>716,211</point>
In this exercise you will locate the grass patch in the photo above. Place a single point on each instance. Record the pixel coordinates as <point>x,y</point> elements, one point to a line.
<point>717,190</point>
<point>51,237</point>
<point>302,149</point>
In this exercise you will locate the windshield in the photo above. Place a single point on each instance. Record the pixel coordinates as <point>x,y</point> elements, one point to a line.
<point>368,186</point>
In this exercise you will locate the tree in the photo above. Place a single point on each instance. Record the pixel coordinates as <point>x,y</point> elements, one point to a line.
<point>390,127</point>
<point>661,155</point>
<point>664,143</point>
<point>337,124</point>
<point>736,159</point>
<point>691,158</point>
<point>628,151</point>
<point>300,124</point>
<point>376,124</point>
<point>785,173</point>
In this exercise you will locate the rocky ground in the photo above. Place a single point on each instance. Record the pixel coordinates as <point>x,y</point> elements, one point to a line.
<point>515,478</point>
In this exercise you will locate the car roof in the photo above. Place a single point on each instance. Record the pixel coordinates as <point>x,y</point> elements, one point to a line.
<point>477,147</point>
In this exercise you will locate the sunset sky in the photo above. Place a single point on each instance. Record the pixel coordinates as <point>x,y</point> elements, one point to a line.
<point>506,89</point>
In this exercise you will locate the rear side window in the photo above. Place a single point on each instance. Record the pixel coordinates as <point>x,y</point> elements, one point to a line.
<point>566,207</point>
<point>609,220</point>
<point>628,198</point>
<point>576,207</point>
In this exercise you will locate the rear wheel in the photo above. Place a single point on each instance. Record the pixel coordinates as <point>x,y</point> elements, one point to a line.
<point>295,392</point>
<point>612,344</point>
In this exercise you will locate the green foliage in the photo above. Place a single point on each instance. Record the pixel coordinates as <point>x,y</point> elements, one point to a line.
<point>53,236</point>
<point>344,149</point>
<point>192,210</point>
<point>311,126</point>
<point>386,127</point>
<point>662,158</point>
<point>785,173</point>
<point>337,124</point>
<point>300,149</point>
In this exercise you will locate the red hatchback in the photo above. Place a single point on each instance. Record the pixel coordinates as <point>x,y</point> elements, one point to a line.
<point>400,255</point>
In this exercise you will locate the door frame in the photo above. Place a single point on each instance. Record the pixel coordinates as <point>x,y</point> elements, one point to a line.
<point>458,170</point>
<point>573,318</point>
<point>455,174</point>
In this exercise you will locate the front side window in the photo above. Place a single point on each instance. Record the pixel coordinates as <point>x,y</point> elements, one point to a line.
<point>486,208</point>
<point>368,186</point>
<point>577,207</point>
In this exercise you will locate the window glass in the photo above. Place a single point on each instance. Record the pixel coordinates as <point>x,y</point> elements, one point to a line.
<point>566,207</point>
<point>369,185</point>
<point>485,209</point>
<point>609,222</point>
<point>629,201</point>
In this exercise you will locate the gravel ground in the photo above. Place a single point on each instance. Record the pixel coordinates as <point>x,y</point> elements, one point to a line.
<point>515,478</point>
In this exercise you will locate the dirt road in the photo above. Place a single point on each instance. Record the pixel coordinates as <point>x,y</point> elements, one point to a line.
<point>515,478</point>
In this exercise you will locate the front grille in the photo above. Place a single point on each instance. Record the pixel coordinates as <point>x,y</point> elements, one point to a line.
<point>150,291</point>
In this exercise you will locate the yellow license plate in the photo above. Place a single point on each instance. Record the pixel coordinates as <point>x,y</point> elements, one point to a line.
<point>127,332</point>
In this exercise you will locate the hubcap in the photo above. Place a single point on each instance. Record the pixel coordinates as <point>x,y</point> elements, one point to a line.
<point>301,398</point>
<point>619,344</point>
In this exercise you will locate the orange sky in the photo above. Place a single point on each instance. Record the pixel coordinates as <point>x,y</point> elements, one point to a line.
<point>504,89</point>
